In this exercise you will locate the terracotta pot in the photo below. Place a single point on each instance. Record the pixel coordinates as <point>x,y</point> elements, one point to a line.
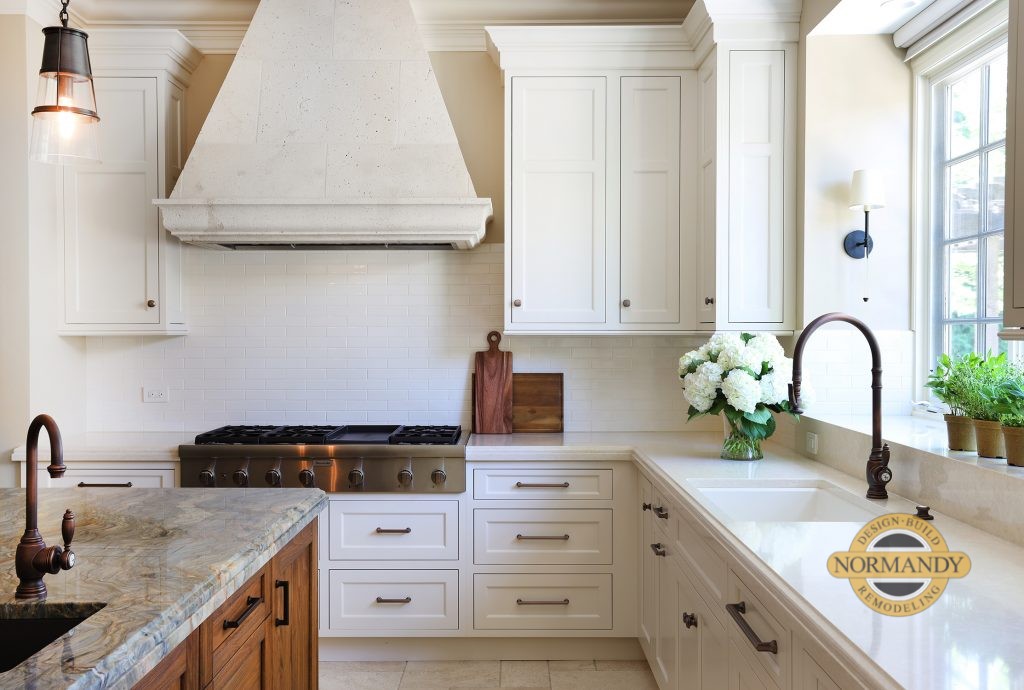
<point>1014,438</point>
<point>990,439</point>
<point>960,431</point>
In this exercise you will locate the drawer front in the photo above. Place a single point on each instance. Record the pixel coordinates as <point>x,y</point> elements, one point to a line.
<point>142,479</point>
<point>394,531</point>
<point>765,626</point>
<point>542,602</point>
<point>701,551</point>
<point>394,599</point>
<point>239,617</point>
<point>531,484</point>
<point>542,537</point>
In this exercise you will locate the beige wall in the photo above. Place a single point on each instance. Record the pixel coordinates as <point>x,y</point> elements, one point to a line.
<point>472,88</point>
<point>14,373</point>
<point>858,108</point>
<point>202,91</point>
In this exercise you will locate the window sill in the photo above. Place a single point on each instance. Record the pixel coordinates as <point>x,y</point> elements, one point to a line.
<point>922,431</point>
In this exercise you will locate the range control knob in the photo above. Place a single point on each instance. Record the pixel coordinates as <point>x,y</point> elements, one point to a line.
<point>207,478</point>
<point>438,477</point>
<point>307,478</point>
<point>405,478</point>
<point>241,477</point>
<point>356,477</point>
<point>273,477</point>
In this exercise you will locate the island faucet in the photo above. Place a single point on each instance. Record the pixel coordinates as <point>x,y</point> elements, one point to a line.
<point>878,472</point>
<point>34,558</point>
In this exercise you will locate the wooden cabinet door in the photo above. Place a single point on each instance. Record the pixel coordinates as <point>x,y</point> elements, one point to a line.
<point>648,569</point>
<point>759,185</point>
<point>250,667</point>
<point>558,197</point>
<point>649,206</point>
<point>111,228</point>
<point>178,671</point>
<point>294,612</point>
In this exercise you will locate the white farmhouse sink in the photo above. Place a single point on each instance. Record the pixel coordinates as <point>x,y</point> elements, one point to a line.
<point>812,501</point>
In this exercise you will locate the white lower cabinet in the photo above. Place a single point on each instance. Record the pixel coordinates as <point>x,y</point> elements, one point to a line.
<point>108,476</point>
<point>392,531</point>
<point>546,601</point>
<point>542,537</point>
<point>394,599</point>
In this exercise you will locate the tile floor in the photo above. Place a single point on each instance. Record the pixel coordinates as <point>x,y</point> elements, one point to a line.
<point>486,675</point>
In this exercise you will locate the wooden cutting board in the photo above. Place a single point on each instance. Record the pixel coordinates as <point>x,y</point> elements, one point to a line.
<point>492,389</point>
<point>537,403</point>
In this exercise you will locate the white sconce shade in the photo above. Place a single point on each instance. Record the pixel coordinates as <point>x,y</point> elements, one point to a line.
<point>867,190</point>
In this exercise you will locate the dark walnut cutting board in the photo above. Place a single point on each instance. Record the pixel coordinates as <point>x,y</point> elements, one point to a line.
<point>492,389</point>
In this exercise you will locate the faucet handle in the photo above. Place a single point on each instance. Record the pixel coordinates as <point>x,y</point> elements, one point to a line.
<point>67,530</point>
<point>794,398</point>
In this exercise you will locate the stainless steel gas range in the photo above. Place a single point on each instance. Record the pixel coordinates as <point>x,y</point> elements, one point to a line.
<point>337,459</point>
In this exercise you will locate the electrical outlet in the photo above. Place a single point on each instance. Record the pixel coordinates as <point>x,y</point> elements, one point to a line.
<point>811,443</point>
<point>155,394</point>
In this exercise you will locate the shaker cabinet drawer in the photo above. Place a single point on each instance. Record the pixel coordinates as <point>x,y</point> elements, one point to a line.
<point>394,599</point>
<point>545,537</point>
<point>531,484</point>
<point>755,622</point>
<point>112,478</point>
<point>542,602</point>
<point>393,530</point>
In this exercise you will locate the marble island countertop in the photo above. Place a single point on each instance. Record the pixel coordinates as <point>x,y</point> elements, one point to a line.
<point>161,560</point>
<point>969,638</point>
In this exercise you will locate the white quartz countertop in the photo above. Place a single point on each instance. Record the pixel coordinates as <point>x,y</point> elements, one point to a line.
<point>970,638</point>
<point>115,446</point>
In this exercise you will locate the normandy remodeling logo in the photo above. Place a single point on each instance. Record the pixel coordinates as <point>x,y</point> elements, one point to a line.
<point>898,565</point>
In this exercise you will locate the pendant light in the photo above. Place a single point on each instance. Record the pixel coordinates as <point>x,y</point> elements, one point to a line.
<point>65,122</point>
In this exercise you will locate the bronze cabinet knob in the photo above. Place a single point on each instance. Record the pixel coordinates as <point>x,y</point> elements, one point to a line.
<point>151,303</point>
<point>626,303</point>
<point>709,301</point>
<point>517,303</point>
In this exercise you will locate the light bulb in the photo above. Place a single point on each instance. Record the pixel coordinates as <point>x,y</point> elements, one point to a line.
<point>66,121</point>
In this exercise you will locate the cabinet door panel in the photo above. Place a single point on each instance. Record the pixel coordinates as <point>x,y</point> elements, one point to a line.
<point>667,636</point>
<point>706,257</point>
<point>558,199</point>
<point>757,176</point>
<point>111,228</point>
<point>650,197</point>
<point>294,616</point>
<point>648,569</point>
<point>249,668</point>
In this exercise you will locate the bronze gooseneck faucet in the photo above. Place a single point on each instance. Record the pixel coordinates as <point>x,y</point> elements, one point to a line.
<point>878,472</point>
<point>34,558</point>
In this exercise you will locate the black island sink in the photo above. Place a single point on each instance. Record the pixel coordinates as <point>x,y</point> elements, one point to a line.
<point>26,628</point>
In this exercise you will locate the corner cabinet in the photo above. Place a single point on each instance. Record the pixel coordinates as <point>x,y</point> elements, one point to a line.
<point>122,270</point>
<point>649,190</point>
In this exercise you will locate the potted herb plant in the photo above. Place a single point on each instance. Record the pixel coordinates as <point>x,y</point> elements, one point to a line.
<point>744,377</point>
<point>982,399</point>
<point>1012,416</point>
<point>949,382</point>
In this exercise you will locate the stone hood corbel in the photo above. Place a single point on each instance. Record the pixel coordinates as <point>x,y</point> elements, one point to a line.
<point>329,129</point>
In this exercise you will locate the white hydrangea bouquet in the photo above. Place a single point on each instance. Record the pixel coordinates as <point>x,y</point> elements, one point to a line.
<point>745,376</point>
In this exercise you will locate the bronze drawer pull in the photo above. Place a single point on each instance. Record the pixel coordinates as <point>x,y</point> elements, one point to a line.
<point>523,485</point>
<point>690,620</point>
<point>645,506</point>
<point>382,530</point>
<point>737,611</point>
<point>382,600</point>
<point>251,603</point>
<point>657,549</point>
<point>284,584</point>
<point>524,602</point>
<point>84,485</point>
<point>553,537</point>
<point>661,512</point>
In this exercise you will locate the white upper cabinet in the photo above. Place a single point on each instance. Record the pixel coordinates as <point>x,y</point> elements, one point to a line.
<point>649,178</point>
<point>558,228</point>
<point>122,271</point>
<point>1014,300</point>
<point>649,242</point>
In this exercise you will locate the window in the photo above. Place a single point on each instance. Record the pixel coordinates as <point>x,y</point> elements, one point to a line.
<point>968,201</point>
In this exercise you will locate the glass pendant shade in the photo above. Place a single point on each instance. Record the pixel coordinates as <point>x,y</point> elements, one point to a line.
<point>65,126</point>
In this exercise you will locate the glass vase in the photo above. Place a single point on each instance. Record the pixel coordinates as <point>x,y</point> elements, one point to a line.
<point>740,447</point>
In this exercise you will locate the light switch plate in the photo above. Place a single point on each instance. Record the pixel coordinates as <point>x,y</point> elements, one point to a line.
<point>811,443</point>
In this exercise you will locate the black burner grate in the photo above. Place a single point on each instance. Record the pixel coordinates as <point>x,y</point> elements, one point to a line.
<point>235,434</point>
<point>427,435</point>
<point>311,435</point>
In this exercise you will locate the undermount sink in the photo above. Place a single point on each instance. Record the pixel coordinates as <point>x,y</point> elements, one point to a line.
<point>26,628</point>
<point>812,501</point>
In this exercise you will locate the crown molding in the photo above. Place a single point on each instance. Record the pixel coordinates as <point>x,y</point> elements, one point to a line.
<point>144,49</point>
<point>590,47</point>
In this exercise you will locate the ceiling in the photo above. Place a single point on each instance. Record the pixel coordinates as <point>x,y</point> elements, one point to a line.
<point>427,11</point>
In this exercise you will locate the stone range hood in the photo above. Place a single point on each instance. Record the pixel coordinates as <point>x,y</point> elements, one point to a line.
<point>329,130</point>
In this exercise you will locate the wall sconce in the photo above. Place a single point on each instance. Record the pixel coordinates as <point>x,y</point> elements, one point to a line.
<point>867,193</point>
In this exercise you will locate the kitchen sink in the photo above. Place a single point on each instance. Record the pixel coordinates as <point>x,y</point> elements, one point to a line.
<point>26,628</point>
<point>811,501</point>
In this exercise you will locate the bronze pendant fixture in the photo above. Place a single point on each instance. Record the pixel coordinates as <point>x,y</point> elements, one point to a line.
<point>65,120</point>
